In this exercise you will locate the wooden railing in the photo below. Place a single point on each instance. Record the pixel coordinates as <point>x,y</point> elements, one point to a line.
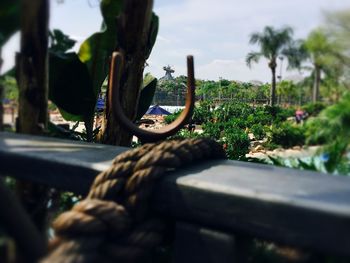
<point>214,204</point>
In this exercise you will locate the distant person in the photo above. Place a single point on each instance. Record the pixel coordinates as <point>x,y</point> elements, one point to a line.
<point>191,127</point>
<point>299,115</point>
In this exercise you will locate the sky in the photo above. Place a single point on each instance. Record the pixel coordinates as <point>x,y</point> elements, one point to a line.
<point>216,33</point>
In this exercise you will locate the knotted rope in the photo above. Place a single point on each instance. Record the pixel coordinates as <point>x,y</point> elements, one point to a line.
<point>113,223</point>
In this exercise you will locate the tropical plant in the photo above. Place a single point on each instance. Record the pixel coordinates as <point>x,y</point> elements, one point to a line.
<point>60,42</point>
<point>273,43</point>
<point>258,131</point>
<point>319,50</point>
<point>287,91</point>
<point>331,128</point>
<point>202,113</point>
<point>76,78</point>
<point>313,109</point>
<point>10,86</point>
<point>326,55</point>
<point>337,26</point>
<point>287,135</point>
<point>236,143</point>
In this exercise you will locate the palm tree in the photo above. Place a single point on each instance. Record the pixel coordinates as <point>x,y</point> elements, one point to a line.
<point>273,43</point>
<point>320,51</point>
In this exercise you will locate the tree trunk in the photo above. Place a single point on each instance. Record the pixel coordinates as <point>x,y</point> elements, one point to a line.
<point>133,36</point>
<point>1,97</point>
<point>32,78</point>
<point>273,66</point>
<point>32,67</point>
<point>316,86</point>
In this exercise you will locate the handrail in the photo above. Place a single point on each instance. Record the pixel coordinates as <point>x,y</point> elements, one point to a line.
<point>299,208</point>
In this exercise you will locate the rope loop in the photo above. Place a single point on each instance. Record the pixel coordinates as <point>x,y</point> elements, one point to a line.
<point>114,224</point>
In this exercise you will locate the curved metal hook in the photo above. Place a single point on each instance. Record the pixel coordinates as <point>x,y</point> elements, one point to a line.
<point>146,135</point>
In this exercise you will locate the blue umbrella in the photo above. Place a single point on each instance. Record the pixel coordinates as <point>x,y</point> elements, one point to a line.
<point>100,104</point>
<point>6,101</point>
<point>157,110</point>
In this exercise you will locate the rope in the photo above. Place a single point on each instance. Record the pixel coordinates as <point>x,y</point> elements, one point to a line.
<point>114,224</point>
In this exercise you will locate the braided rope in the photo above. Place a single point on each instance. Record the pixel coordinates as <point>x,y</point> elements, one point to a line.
<point>113,223</point>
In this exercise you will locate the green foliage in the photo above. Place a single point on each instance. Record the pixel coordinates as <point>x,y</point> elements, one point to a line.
<point>313,108</point>
<point>70,134</point>
<point>10,86</point>
<point>186,134</point>
<point>202,113</point>
<point>273,43</point>
<point>146,95</point>
<point>51,106</point>
<point>172,117</point>
<point>283,114</point>
<point>60,42</point>
<point>234,139</point>
<point>66,201</point>
<point>224,90</point>
<point>227,111</point>
<point>258,131</point>
<point>236,143</point>
<point>279,114</point>
<point>70,86</point>
<point>319,47</point>
<point>152,33</point>
<point>315,133</point>
<point>260,116</point>
<point>332,123</point>
<point>328,160</point>
<point>213,130</point>
<point>287,135</point>
<point>331,128</point>
<point>76,79</point>
<point>235,123</point>
<point>95,51</point>
<point>9,19</point>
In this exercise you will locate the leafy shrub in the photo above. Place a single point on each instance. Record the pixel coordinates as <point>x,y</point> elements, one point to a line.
<point>271,110</point>
<point>316,132</point>
<point>186,134</point>
<point>229,110</point>
<point>202,113</point>
<point>278,114</point>
<point>213,130</point>
<point>332,129</point>
<point>313,109</point>
<point>331,123</point>
<point>287,135</point>
<point>283,114</point>
<point>259,131</point>
<point>260,116</point>
<point>235,123</point>
<point>236,143</point>
<point>171,117</point>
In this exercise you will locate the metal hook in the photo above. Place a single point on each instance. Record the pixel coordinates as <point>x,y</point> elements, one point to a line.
<point>146,135</point>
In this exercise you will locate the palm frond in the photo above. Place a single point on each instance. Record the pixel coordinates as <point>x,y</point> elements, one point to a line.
<point>296,54</point>
<point>271,40</point>
<point>252,57</point>
<point>255,38</point>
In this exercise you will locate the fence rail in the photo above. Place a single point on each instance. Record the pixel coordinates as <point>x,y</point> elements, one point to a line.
<point>299,208</point>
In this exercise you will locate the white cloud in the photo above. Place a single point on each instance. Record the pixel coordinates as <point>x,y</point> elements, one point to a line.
<point>215,32</point>
<point>219,32</point>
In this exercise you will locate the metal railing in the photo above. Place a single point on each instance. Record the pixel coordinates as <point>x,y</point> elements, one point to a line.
<point>216,201</point>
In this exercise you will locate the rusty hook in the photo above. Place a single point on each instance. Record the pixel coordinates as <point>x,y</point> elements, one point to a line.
<point>146,135</point>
